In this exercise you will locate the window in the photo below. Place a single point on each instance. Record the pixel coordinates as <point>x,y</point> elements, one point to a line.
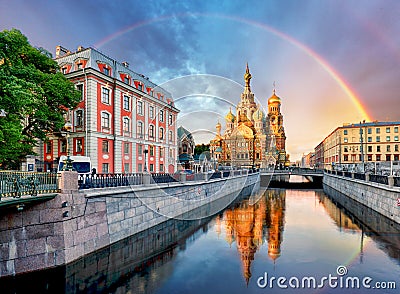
<point>106,71</point>
<point>104,168</point>
<point>126,148</point>
<point>105,95</point>
<point>127,102</point>
<point>369,157</point>
<point>105,120</point>
<point>345,132</point>
<point>161,134</point>
<point>151,150</point>
<point>64,70</point>
<point>170,119</point>
<point>151,167</point>
<point>151,112</point>
<point>161,152</point>
<point>396,157</point>
<point>369,130</point>
<point>140,167</point>
<point>345,140</point>
<point>140,86</point>
<point>369,148</point>
<point>140,107</point>
<point>378,130</point>
<point>161,115</point>
<point>387,138</point>
<point>378,148</point>
<point>388,130</point>
<point>378,138</point>
<point>170,136</point>
<point>48,147</point>
<point>378,157</point>
<point>345,149</point>
<point>79,118</point>
<point>127,80</point>
<point>140,149</point>
<point>78,146</point>
<point>126,168</point>
<point>63,146</point>
<point>369,139</point>
<point>151,131</point>
<point>126,125</point>
<point>396,148</point>
<point>104,146</point>
<point>79,65</point>
<point>161,168</point>
<point>140,129</point>
<point>387,148</point>
<point>79,87</point>
<point>396,129</point>
<point>396,138</point>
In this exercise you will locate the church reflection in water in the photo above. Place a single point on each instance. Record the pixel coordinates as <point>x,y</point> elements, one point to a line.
<point>249,225</point>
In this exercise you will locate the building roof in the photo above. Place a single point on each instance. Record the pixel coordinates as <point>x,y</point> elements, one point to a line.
<point>93,56</point>
<point>182,132</point>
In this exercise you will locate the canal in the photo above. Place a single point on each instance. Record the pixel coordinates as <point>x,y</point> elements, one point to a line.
<point>274,241</point>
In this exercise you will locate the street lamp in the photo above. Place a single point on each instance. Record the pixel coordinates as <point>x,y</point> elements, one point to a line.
<point>68,162</point>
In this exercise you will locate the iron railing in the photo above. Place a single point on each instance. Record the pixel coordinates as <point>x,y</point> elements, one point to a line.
<point>163,178</point>
<point>397,181</point>
<point>379,179</point>
<point>16,184</point>
<point>109,180</point>
<point>359,176</point>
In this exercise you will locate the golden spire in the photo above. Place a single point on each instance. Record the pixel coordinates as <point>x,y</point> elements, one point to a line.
<point>247,77</point>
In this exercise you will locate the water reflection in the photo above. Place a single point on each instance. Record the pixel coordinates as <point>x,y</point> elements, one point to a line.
<point>250,224</point>
<point>282,232</point>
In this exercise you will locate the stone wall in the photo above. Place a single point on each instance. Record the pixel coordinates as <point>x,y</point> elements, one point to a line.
<point>76,223</point>
<point>379,197</point>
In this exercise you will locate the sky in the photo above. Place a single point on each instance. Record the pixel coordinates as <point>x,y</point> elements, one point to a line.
<point>332,61</point>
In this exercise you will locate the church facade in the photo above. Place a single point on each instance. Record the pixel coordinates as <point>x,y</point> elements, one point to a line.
<point>251,138</point>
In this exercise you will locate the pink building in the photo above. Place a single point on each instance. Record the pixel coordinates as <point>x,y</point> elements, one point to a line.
<point>124,122</point>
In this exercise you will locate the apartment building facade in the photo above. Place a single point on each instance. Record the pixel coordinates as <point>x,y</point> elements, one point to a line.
<point>125,123</point>
<point>365,142</point>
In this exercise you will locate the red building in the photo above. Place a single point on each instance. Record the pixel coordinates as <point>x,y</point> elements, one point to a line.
<point>124,122</point>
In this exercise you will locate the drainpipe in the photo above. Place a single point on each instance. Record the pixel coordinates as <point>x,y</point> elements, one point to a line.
<point>86,112</point>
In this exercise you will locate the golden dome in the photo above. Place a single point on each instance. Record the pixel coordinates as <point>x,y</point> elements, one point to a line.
<point>274,99</point>
<point>230,117</point>
<point>258,115</point>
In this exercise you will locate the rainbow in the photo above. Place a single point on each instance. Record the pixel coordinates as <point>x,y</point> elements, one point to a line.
<point>315,56</point>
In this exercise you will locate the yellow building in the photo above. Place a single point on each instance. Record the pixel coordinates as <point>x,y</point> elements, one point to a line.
<point>251,138</point>
<point>360,145</point>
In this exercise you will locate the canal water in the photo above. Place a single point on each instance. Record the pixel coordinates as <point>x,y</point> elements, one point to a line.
<point>274,241</point>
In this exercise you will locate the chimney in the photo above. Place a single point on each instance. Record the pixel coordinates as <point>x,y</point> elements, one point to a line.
<point>125,64</point>
<point>61,51</point>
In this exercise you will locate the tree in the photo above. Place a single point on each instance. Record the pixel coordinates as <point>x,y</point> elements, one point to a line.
<point>34,94</point>
<point>199,149</point>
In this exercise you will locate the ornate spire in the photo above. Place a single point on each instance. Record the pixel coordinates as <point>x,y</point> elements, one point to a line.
<point>247,77</point>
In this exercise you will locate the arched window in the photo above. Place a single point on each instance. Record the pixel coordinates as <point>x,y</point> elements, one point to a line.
<point>105,120</point>
<point>140,129</point>
<point>126,124</point>
<point>151,131</point>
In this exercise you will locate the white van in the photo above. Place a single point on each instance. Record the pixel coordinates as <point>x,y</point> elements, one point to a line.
<point>81,164</point>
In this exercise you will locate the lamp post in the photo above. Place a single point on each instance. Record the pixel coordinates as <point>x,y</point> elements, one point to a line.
<point>68,162</point>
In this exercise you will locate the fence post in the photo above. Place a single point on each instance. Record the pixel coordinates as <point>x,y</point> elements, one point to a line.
<point>391,181</point>
<point>68,181</point>
<point>146,178</point>
<point>182,177</point>
<point>367,177</point>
